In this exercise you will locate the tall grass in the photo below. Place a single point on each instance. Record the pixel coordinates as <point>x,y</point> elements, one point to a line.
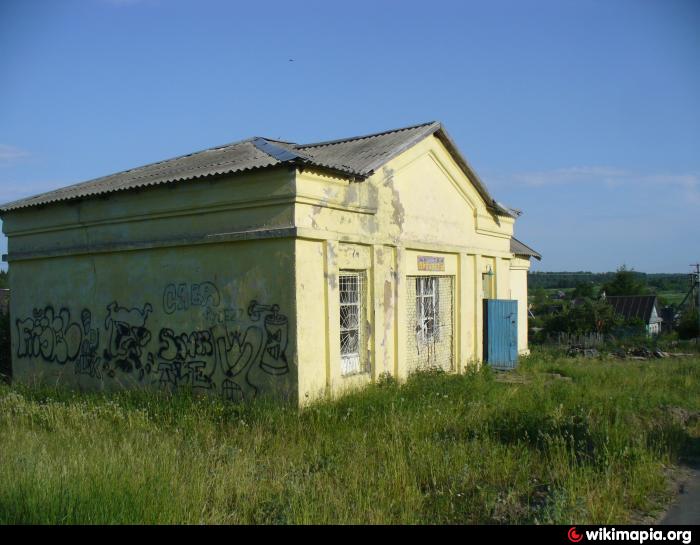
<point>564,441</point>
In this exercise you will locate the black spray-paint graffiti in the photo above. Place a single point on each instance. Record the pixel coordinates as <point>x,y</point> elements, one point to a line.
<point>88,362</point>
<point>53,337</point>
<point>128,336</point>
<point>243,358</point>
<point>274,357</point>
<point>236,351</point>
<point>49,335</point>
<point>183,296</point>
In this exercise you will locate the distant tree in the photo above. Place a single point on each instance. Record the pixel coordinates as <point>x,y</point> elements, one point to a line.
<point>539,299</point>
<point>625,282</point>
<point>688,327</point>
<point>583,290</point>
<point>585,318</point>
<point>3,279</point>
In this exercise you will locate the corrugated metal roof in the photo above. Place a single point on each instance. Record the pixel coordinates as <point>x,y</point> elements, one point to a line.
<point>235,157</point>
<point>519,248</point>
<point>357,156</point>
<point>633,306</point>
<point>362,155</point>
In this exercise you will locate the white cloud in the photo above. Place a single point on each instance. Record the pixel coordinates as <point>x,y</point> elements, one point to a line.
<point>688,183</point>
<point>9,154</point>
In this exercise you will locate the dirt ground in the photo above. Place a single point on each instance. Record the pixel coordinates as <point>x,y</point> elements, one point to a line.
<point>686,507</point>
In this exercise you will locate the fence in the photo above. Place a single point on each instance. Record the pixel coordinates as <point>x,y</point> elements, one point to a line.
<point>586,340</point>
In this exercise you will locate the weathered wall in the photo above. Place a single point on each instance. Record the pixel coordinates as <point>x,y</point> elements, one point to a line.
<point>192,212</point>
<point>420,204</point>
<point>518,282</point>
<point>231,285</point>
<point>184,285</point>
<point>218,318</point>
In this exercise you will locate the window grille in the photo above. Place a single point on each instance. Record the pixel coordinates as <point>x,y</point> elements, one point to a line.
<point>427,309</point>
<point>353,349</point>
<point>430,322</point>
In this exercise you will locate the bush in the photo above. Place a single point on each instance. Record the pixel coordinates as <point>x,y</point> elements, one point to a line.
<point>688,326</point>
<point>583,318</point>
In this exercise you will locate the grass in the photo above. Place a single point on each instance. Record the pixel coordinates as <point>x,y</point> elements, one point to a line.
<point>591,447</point>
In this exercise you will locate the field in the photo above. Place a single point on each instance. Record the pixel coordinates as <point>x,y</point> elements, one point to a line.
<point>559,441</point>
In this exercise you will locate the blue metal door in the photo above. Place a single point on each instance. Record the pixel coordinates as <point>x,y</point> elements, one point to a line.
<point>501,333</point>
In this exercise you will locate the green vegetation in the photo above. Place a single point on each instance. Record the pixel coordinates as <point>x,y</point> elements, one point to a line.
<point>670,288</point>
<point>575,305</point>
<point>657,282</point>
<point>688,327</point>
<point>588,316</point>
<point>561,441</point>
<point>625,282</point>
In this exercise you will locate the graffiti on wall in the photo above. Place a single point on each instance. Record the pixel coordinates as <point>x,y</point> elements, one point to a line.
<point>235,352</point>
<point>179,297</point>
<point>49,335</point>
<point>128,336</point>
<point>239,357</point>
<point>88,362</point>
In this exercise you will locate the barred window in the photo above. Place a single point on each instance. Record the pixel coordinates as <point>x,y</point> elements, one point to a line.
<point>427,308</point>
<point>430,322</point>
<point>352,310</point>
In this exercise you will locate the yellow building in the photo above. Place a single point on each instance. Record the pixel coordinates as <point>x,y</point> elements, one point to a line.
<point>265,267</point>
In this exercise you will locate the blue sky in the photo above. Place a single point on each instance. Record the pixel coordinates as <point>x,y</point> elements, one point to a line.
<point>584,114</point>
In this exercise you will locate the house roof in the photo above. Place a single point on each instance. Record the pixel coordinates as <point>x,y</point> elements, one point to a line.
<point>356,157</point>
<point>633,306</point>
<point>519,248</point>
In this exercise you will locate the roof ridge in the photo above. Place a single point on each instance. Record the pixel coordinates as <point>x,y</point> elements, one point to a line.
<point>362,137</point>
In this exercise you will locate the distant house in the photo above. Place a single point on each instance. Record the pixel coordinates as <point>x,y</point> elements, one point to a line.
<point>644,307</point>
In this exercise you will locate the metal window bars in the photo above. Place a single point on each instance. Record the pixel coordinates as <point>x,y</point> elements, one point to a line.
<point>427,309</point>
<point>353,352</point>
<point>430,322</point>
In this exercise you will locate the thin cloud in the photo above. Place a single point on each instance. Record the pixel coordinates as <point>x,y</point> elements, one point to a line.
<point>9,154</point>
<point>571,175</point>
<point>688,183</point>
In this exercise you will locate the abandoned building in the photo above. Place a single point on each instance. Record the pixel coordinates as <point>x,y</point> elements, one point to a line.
<point>268,267</point>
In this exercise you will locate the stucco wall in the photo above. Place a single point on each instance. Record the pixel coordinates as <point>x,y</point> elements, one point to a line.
<point>218,318</point>
<point>418,205</point>
<point>231,285</point>
<point>518,283</point>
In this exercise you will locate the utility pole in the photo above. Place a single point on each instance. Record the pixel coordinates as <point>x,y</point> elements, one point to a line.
<point>697,295</point>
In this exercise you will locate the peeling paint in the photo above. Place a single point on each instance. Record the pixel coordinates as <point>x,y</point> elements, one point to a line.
<point>398,213</point>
